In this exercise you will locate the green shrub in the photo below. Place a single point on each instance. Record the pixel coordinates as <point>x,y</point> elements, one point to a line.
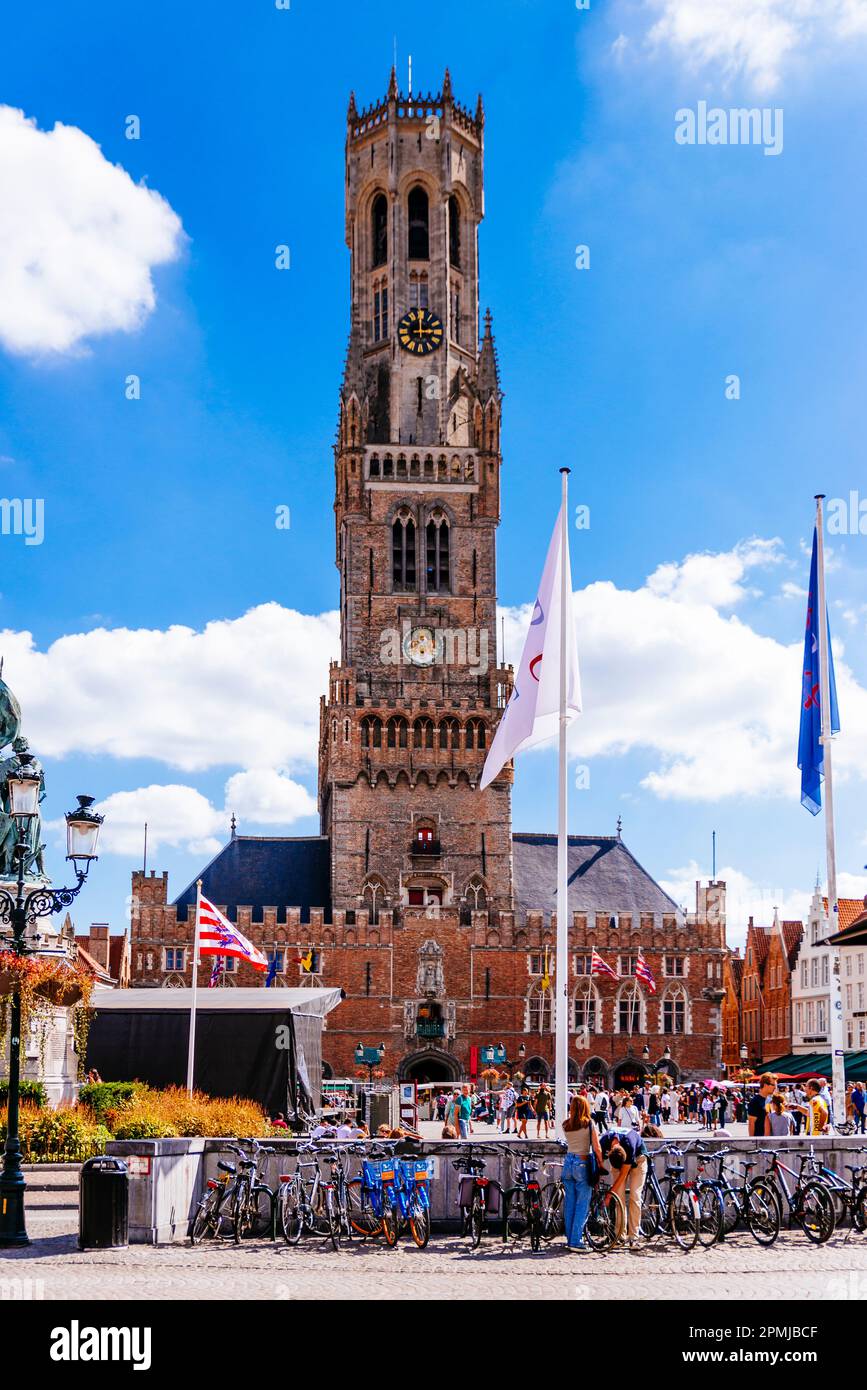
<point>144,1127</point>
<point>31,1091</point>
<point>102,1096</point>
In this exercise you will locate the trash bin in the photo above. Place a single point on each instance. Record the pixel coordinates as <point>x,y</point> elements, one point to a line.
<point>103,1204</point>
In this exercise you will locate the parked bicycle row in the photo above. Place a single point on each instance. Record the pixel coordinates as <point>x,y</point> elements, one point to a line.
<point>320,1195</point>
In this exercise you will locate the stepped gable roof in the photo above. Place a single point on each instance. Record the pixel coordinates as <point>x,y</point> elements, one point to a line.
<point>760,940</point>
<point>603,877</point>
<point>260,871</point>
<point>736,965</point>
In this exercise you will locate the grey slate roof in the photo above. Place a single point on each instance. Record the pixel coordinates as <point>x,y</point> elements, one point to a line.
<point>261,871</point>
<point>603,877</point>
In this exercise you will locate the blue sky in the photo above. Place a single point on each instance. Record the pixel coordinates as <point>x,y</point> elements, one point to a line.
<point>159,512</point>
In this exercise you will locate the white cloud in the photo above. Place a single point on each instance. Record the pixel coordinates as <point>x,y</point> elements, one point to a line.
<point>755,40</point>
<point>78,239</point>
<point>242,692</point>
<point>181,817</point>
<point>745,898</point>
<point>711,701</point>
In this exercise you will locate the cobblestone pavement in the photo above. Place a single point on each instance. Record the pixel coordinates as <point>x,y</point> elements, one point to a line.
<point>793,1269</point>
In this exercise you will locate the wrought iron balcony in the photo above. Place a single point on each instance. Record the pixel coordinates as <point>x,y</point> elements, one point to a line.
<point>430,1028</point>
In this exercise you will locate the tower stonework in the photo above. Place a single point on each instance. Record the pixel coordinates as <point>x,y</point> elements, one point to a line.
<point>412,703</point>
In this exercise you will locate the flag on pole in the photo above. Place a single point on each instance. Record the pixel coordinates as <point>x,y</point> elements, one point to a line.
<point>546,977</point>
<point>272,972</point>
<point>217,937</point>
<point>599,967</point>
<point>308,961</point>
<point>532,714</point>
<point>643,973</point>
<point>217,972</point>
<point>811,754</point>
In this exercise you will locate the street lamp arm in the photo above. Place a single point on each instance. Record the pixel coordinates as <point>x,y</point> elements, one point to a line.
<point>39,902</point>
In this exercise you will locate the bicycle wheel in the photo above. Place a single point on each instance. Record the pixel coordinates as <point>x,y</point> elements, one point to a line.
<point>419,1222</point>
<point>390,1220</point>
<point>711,1215</point>
<point>516,1218</point>
<point>859,1211</point>
<point>551,1224</point>
<point>599,1231</point>
<point>291,1218</point>
<point>814,1212</point>
<point>362,1217</point>
<point>240,1214</point>
<point>261,1212</point>
<point>683,1217</point>
<point>535,1226</point>
<point>332,1218</point>
<point>761,1214</point>
<point>477,1221</point>
<point>206,1221</point>
<point>651,1213</point>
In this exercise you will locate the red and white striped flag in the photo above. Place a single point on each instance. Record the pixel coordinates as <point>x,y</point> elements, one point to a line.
<point>599,967</point>
<point>643,973</point>
<point>217,937</point>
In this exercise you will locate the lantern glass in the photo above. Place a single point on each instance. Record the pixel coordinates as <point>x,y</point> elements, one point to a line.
<point>82,834</point>
<point>24,794</point>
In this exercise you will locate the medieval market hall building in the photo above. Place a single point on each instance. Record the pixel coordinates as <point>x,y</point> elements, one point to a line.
<point>417,898</point>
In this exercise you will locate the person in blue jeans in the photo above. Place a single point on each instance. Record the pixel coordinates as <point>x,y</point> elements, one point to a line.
<point>581,1137</point>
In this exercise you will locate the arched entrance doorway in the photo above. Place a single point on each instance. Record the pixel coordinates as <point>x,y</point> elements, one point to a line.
<point>537,1069</point>
<point>596,1070</point>
<point>429,1066</point>
<point>629,1072</point>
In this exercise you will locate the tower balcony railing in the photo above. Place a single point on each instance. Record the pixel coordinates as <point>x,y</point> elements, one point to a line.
<point>457,464</point>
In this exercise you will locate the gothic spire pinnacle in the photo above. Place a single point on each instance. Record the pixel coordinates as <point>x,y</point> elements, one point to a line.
<point>488,380</point>
<point>447,86</point>
<point>353,371</point>
<point>353,109</point>
<point>392,85</point>
<point>480,110</point>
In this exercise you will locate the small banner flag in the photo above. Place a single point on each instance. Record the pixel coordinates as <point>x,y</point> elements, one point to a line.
<point>811,755</point>
<point>599,967</point>
<point>533,712</point>
<point>217,937</point>
<point>644,974</point>
<point>217,972</point>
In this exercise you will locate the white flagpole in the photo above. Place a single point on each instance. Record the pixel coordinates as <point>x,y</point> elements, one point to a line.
<point>835,1022</point>
<point>561,967</point>
<point>191,1052</point>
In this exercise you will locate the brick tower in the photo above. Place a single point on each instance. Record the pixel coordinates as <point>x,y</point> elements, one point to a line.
<point>412,702</point>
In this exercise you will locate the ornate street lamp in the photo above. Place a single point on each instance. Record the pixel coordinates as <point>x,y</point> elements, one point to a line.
<point>82,833</point>
<point>369,1057</point>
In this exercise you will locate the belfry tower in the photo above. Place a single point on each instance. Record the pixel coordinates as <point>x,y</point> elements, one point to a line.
<point>417,691</point>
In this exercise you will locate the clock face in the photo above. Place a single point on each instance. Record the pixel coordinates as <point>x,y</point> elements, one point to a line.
<point>420,332</point>
<point>420,646</point>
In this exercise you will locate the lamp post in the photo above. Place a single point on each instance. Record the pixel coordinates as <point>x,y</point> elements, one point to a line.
<point>369,1057</point>
<point>82,833</point>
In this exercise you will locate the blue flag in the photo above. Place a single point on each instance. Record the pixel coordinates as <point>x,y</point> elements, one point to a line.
<point>272,971</point>
<point>811,755</point>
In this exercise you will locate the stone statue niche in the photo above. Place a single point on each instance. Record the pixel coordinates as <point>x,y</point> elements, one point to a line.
<point>430,979</point>
<point>14,746</point>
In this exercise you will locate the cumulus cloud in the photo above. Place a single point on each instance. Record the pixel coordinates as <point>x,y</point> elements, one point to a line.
<point>752,40</point>
<point>180,817</point>
<point>241,692</point>
<point>745,898</point>
<point>668,671</point>
<point>711,701</point>
<point>78,239</point>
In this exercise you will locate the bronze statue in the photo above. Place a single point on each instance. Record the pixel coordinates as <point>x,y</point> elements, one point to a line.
<point>10,733</point>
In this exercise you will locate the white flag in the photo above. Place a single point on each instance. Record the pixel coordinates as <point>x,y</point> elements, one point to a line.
<point>532,714</point>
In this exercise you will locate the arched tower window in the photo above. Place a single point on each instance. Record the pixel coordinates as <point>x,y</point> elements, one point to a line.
<point>438,554</point>
<point>403,551</point>
<point>454,232</point>
<point>379,229</point>
<point>419,235</point>
<point>475,737</point>
<point>371,732</point>
<point>423,733</point>
<point>397,728</point>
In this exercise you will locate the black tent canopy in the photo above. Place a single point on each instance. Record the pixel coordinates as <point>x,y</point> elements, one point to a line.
<point>264,1045</point>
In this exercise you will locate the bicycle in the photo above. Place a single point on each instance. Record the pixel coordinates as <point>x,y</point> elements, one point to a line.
<point>809,1203</point>
<point>850,1198</point>
<point>523,1208</point>
<point>298,1197</point>
<point>723,1206</point>
<point>478,1195</point>
<point>677,1210</point>
<point>370,1214</point>
<point>219,1193</point>
<point>253,1201</point>
<point>606,1217</point>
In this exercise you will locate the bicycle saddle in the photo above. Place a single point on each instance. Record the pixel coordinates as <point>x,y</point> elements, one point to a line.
<point>226,1167</point>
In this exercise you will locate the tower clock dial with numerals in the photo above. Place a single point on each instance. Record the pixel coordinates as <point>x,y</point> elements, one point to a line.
<point>420,332</point>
